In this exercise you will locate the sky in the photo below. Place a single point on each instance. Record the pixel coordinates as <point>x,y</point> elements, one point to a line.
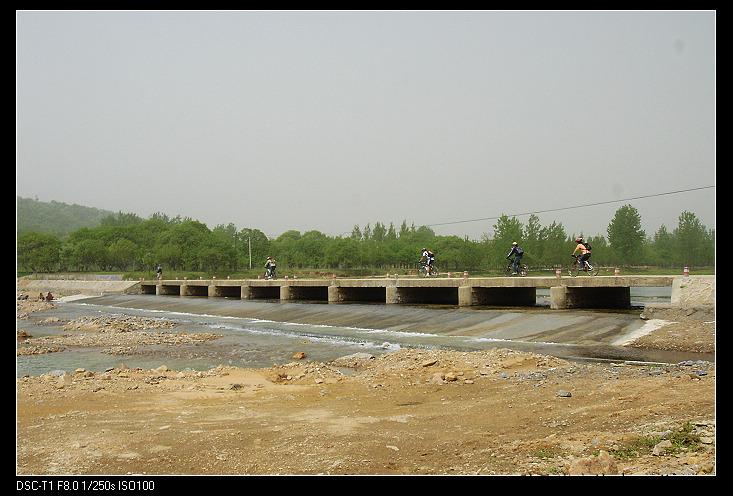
<point>321,120</point>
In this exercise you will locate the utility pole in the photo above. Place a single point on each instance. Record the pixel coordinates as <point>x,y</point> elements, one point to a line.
<point>250,250</point>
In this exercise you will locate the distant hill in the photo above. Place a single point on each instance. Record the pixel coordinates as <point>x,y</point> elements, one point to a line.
<point>56,218</point>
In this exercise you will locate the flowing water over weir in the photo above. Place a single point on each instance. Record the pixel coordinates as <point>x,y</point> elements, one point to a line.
<point>263,333</point>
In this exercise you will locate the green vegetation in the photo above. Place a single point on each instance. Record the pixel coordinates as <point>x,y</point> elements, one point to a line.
<point>185,247</point>
<point>545,453</point>
<point>682,440</point>
<point>58,219</point>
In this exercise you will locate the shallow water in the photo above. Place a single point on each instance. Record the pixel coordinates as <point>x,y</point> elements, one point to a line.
<point>263,333</point>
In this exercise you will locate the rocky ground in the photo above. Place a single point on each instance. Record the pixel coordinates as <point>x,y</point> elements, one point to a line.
<point>408,412</point>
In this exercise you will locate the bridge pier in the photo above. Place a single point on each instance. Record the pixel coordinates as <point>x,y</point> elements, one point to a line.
<point>284,293</point>
<point>391,295</point>
<point>465,296</point>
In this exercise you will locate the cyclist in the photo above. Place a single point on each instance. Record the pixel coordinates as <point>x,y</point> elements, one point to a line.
<point>159,271</point>
<point>517,251</point>
<point>429,258</point>
<point>270,267</point>
<point>584,249</point>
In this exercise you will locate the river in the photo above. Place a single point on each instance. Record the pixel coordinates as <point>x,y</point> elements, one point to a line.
<point>263,333</point>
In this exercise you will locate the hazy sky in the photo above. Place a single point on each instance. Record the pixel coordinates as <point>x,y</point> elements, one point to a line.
<point>323,120</point>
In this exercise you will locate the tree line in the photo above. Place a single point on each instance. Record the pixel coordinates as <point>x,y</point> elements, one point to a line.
<point>126,242</point>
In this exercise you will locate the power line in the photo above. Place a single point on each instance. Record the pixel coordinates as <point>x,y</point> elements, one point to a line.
<point>564,208</point>
<point>570,208</point>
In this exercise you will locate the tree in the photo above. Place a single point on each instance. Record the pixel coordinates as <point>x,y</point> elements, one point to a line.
<point>691,240</point>
<point>122,253</point>
<point>663,246</point>
<point>532,242</point>
<point>38,252</point>
<point>625,234</point>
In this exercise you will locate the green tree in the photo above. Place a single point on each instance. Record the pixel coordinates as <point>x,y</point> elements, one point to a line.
<point>532,241</point>
<point>122,254</point>
<point>691,240</point>
<point>663,247</point>
<point>625,234</point>
<point>38,252</point>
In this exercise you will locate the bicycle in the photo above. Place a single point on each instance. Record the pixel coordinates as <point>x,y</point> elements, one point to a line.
<point>426,270</point>
<point>270,273</point>
<point>575,268</point>
<point>510,269</point>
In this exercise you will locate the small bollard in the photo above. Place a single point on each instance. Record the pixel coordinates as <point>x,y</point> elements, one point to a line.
<point>558,273</point>
<point>227,277</point>
<point>333,276</point>
<point>258,276</point>
<point>450,274</point>
<point>616,271</point>
<point>686,271</point>
<point>286,278</point>
<point>185,278</point>
<point>465,274</point>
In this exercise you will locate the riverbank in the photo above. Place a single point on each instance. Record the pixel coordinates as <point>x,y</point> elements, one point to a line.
<point>409,412</point>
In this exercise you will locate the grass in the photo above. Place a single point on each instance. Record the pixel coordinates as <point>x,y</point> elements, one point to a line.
<point>682,440</point>
<point>545,453</point>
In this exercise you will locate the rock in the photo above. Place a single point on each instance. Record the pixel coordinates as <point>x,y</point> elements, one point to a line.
<point>564,394</point>
<point>706,440</point>
<point>429,363</point>
<point>437,378</point>
<point>603,464</point>
<point>299,355</point>
<point>450,377</point>
<point>57,373</point>
<point>661,447</point>
<point>161,369</point>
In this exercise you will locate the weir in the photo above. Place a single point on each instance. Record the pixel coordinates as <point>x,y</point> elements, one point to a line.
<point>576,292</point>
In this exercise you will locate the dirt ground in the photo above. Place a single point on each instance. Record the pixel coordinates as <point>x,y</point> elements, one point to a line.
<point>408,412</point>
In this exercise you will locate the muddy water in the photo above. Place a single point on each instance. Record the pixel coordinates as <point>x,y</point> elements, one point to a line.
<point>263,333</point>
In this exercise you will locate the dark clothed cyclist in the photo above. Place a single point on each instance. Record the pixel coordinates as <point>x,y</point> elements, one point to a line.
<point>518,252</point>
<point>270,267</point>
<point>429,258</point>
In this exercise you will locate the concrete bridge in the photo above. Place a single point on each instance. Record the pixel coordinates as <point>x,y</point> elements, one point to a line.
<point>565,292</point>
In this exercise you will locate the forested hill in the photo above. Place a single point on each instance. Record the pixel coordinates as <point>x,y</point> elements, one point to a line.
<point>56,218</point>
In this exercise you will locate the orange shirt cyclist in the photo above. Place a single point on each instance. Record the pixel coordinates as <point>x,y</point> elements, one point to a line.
<point>584,251</point>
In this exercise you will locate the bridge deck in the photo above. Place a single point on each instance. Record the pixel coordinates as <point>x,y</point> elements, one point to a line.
<point>565,292</point>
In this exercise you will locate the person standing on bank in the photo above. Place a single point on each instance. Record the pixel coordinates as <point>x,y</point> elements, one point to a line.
<point>517,251</point>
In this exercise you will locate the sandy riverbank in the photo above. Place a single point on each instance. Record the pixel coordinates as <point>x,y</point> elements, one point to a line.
<point>409,412</point>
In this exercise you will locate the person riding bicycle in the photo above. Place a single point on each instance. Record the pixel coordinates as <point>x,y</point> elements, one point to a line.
<point>270,267</point>
<point>429,258</point>
<point>517,251</point>
<point>159,271</point>
<point>584,249</point>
